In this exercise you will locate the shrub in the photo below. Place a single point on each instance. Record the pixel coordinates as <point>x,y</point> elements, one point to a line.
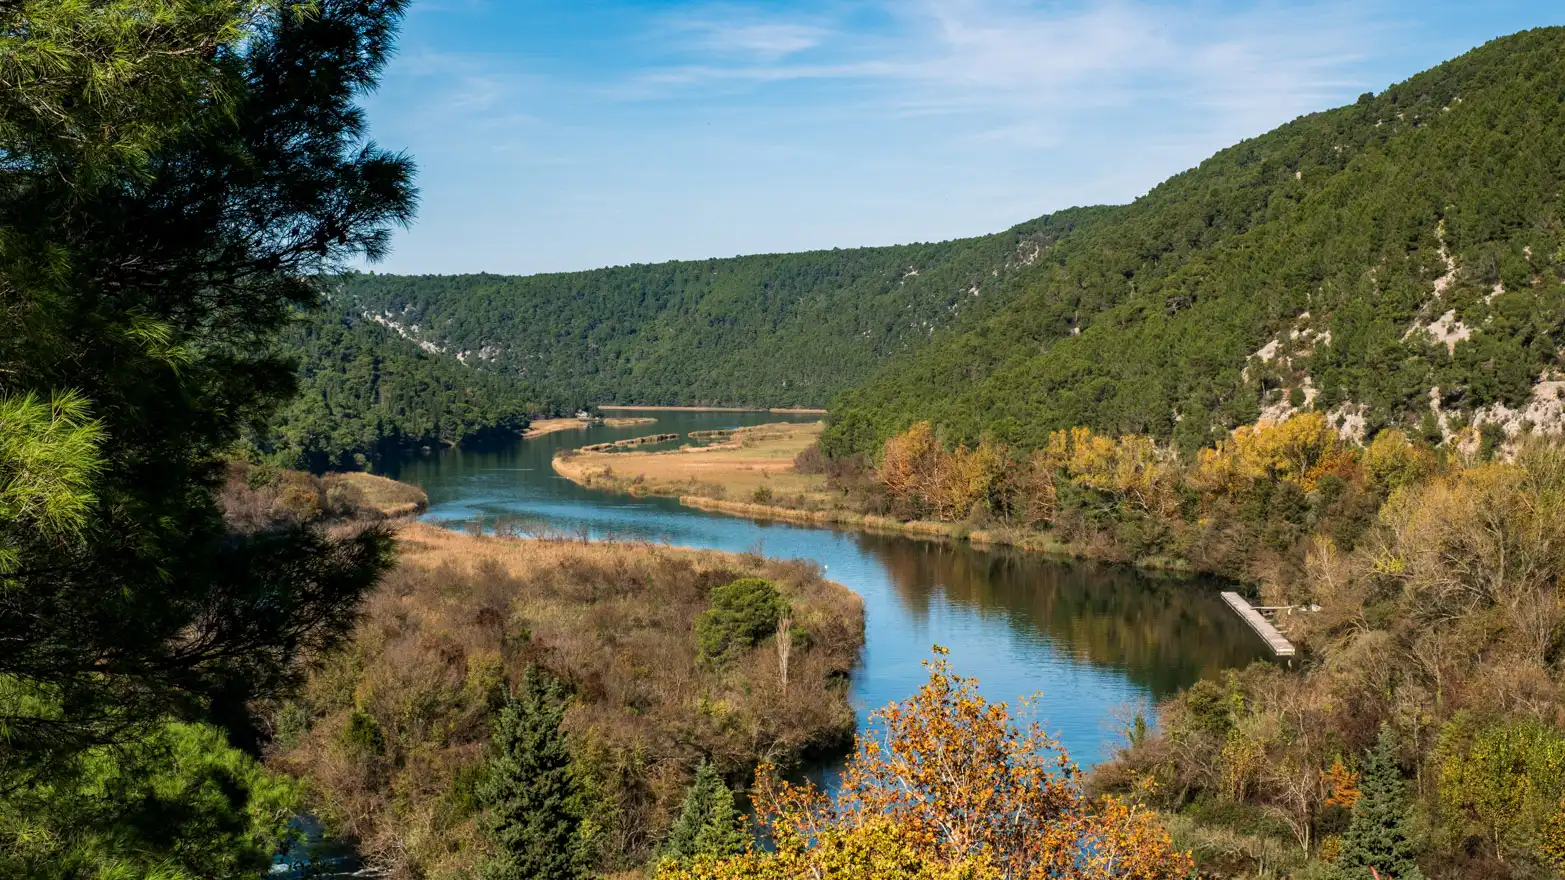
<point>742,613</point>
<point>363,734</point>
<point>763,495</point>
<point>811,460</point>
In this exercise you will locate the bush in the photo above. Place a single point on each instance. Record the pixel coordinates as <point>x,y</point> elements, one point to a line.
<point>811,460</point>
<point>741,615</point>
<point>763,495</point>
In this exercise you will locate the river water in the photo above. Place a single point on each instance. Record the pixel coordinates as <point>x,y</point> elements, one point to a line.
<point>1094,642</point>
<point>1089,639</point>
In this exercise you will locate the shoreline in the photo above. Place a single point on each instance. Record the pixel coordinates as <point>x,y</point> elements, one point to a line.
<point>803,411</point>
<point>1041,543</point>
<point>544,427</point>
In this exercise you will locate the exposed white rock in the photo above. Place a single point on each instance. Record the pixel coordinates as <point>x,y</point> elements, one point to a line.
<point>1283,409</point>
<point>1350,422</point>
<point>1449,330</point>
<point>1265,354</point>
<point>1543,414</point>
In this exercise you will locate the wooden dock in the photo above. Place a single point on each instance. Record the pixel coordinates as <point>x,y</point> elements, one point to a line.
<point>1263,627</point>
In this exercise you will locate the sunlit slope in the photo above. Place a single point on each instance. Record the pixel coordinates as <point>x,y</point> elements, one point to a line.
<point>1398,260</point>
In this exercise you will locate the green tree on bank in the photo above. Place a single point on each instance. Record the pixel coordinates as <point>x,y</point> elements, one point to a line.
<point>1378,836</point>
<point>532,797</point>
<point>174,176</point>
<point>708,823</point>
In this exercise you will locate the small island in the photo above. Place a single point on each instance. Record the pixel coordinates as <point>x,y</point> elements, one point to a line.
<point>541,427</point>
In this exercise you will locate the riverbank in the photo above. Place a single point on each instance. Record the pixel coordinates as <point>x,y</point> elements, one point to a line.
<point>543,427</point>
<point>753,463</point>
<point>387,498</point>
<point>390,730</point>
<point>779,410</point>
<point>752,475</point>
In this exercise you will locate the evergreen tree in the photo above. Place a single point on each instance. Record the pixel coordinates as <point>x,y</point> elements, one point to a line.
<point>1378,836</point>
<point>532,796</point>
<point>175,175</point>
<point>708,824</point>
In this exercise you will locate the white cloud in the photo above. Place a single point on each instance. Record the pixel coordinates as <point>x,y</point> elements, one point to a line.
<point>957,56</point>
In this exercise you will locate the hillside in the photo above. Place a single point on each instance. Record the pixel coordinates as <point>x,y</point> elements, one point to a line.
<point>1396,261</point>
<point>365,392</point>
<point>770,330</point>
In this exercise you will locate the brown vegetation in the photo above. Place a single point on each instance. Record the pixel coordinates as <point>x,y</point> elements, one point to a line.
<point>391,734</point>
<point>750,460</point>
<point>256,497</point>
<point>1445,622</point>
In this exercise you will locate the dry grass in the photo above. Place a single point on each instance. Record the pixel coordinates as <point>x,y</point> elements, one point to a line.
<point>779,410</point>
<point>463,615</point>
<point>540,427</point>
<point>388,497</point>
<point>254,498</point>
<point>755,458</point>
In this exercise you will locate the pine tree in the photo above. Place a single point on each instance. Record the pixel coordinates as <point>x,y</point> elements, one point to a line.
<point>532,797</point>
<point>1378,835</point>
<point>709,824</point>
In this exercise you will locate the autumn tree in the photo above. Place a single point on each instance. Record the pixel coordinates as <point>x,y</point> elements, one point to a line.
<point>965,789</point>
<point>909,468</point>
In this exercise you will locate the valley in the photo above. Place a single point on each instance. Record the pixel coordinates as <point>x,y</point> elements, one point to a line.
<point>904,562</point>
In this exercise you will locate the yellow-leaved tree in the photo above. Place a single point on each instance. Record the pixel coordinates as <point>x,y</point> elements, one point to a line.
<point>950,786</point>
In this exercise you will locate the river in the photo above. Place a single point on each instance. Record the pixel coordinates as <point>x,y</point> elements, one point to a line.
<point>1090,639</point>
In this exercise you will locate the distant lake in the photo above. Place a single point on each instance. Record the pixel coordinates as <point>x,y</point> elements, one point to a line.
<point>1089,639</point>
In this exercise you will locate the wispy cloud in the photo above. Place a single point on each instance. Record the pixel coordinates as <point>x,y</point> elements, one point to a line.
<point>958,56</point>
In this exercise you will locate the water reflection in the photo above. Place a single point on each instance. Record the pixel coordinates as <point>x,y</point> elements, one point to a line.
<point>1090,638</point>
<point>1161,632</point>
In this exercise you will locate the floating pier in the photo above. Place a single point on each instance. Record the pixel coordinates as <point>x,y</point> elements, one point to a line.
<point>1263,627</point>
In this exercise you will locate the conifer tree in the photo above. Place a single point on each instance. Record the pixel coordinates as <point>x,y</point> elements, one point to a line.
<point>708,824</point>
<point>532,797</point>
<point>1378,836</point>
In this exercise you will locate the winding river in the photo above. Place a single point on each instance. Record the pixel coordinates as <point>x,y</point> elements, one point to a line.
<point>1092,641</point>
<point>1089,639</point>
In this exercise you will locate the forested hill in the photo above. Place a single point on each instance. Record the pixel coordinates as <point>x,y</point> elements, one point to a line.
<point>1396,261</point>
<point>768,330</point>
<point>365,392</point>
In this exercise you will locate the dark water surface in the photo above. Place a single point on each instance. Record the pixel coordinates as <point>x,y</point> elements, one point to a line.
<point>1088,638</point>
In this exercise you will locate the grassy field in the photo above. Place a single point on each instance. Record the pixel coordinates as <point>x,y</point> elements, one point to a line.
<point>391,733</point>
<point>623,408</point>
<point>540,427</point>
<point>753,460</point>
<point>388,497</point>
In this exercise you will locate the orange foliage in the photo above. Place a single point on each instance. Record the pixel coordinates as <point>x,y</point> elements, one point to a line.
<point>1342,784</point>
<point>1300,450</point>
<point>925,480</point>
<point>965,785</point>
<point>909,468</point>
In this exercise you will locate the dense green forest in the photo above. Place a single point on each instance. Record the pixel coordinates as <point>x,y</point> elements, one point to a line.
<point>771,330</point>
<point>1414,240</point>
<point>365,392</point>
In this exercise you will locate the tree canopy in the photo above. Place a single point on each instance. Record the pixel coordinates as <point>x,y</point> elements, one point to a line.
<point>174,176</point>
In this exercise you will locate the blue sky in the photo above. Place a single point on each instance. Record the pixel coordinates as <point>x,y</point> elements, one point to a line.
<point>572,134</point>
